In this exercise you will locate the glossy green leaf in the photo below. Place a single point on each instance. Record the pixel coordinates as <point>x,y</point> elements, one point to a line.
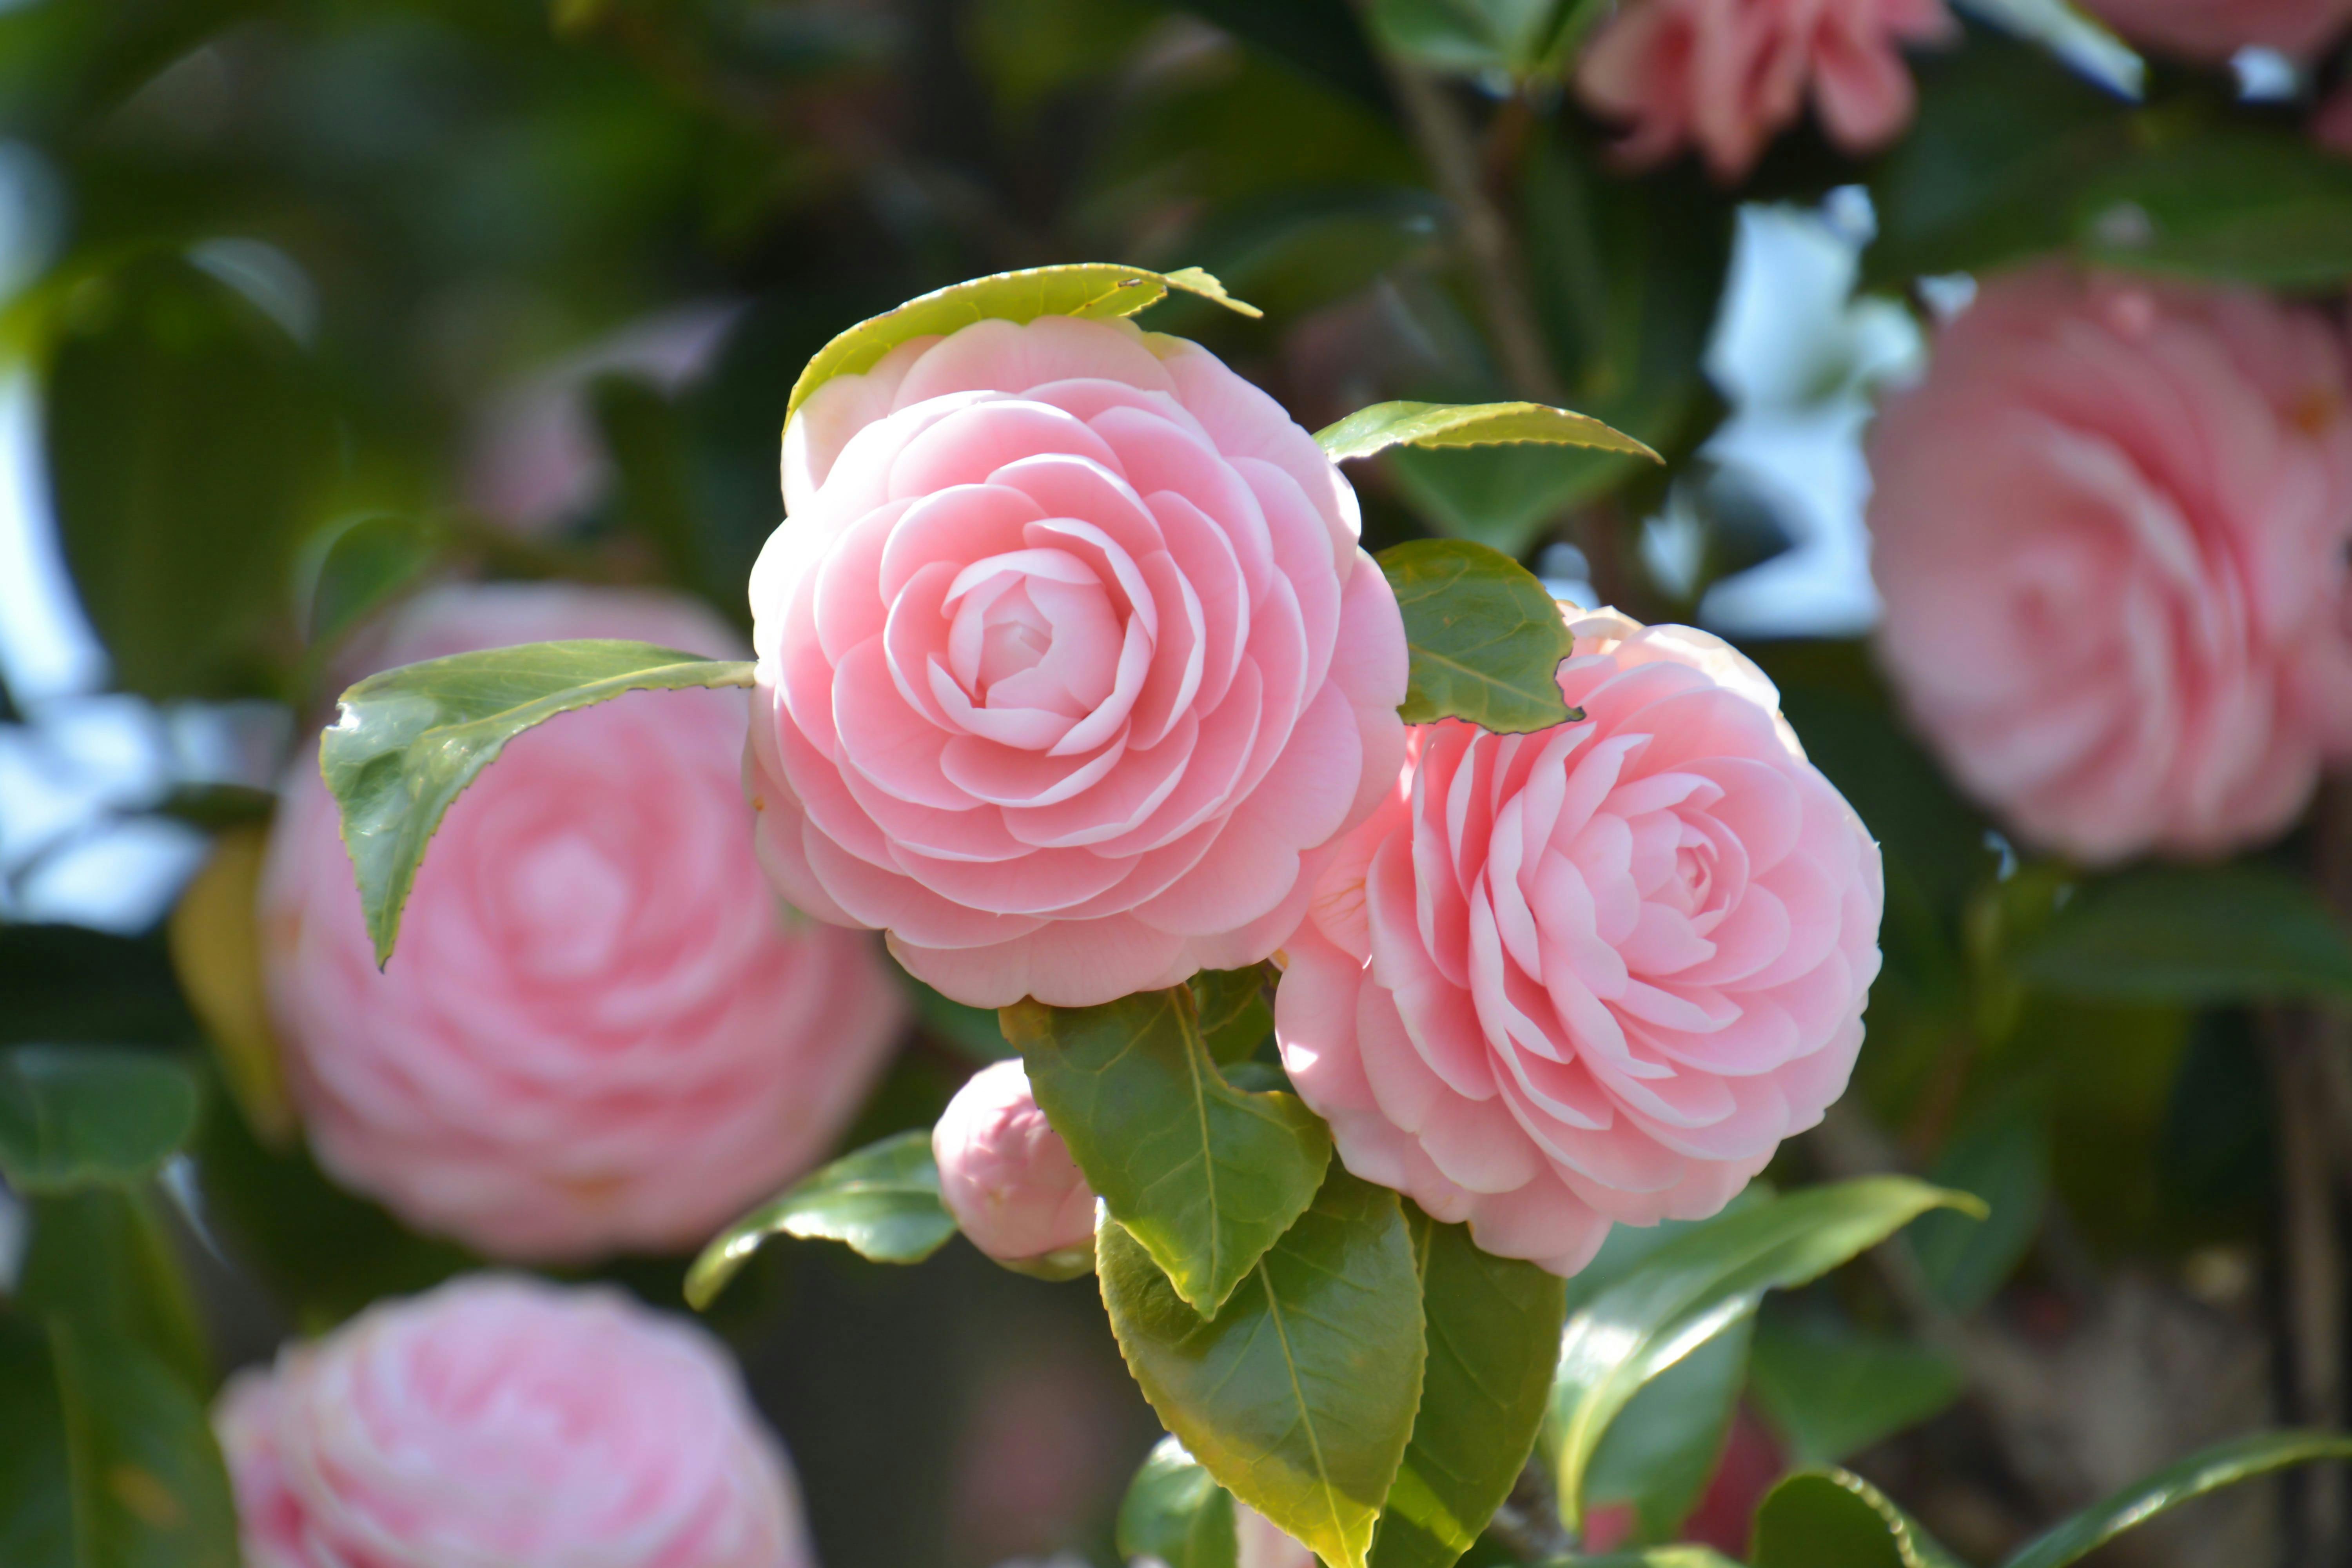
<point>356,565</point>
<point>1660,1452</point>
<point>2194,934</point>
<point>2224,1464</point>
<point>1175,1510</point>
<point>1494,1333</point>
<point>73,1116</point>
<point>1830,1518</point>
<point>2002,1155</point>
<point>1444,424</point>
<point>1700,1284</point>
<point>1204,1175</point>
<point>882,1202</point>
<point>1469,38</point>
<point>147,1486</point>
<point>405,742</point>
<point>1829,1392</point>
<point>1236,1010</point>
<point>1093,289</point>
<point>1655,1557</point>
<point>1484,640</point>
<point>1299,1395</point>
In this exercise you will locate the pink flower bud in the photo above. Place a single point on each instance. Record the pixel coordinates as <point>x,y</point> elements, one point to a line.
<point>1006,1173</point>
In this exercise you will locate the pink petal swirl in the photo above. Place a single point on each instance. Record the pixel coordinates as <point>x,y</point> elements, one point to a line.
<point>1593,974</point>
<point>1006,1173</point>
<point>1070,666</point>
<point>504,1423</point>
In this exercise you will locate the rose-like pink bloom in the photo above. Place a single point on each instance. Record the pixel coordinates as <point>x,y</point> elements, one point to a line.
<point>1725,75</point>
<point>1068,657</point>
<point>2217,30</point>
<point>2110,529</point>
<point>601,1030</point>
<point>1006,1173</point>
<point>505,1423</point>
<point>1593,974</point>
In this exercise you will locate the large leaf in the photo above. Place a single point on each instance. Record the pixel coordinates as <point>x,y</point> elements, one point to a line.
<point>1236,1011</point>
<point>882,1202</point>
<point>405,742</point>
<point>2224,1464</point>
<point>1700,1284</point>
<point>2192,934</point>
<point>1204,1175</point>
<point>1659,1454</point>
<point>36,1481</point>
<point>1830,1519</point>
<point>1484,639</point>
<point>2267,208</point>
<point>101,1260</point>
<point>76,1116</point>
<point>1829,1393</point>
<point>147,1486</point>
<point>1494,1333</point>
<point>1093,289</point>
<point>1299,1395</point>
<point>1655,1557</point>
<point>1174,1511</point>
<point>1442,425</point>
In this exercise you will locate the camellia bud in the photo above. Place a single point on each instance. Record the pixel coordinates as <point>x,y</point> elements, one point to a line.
<point>1008,1178</point>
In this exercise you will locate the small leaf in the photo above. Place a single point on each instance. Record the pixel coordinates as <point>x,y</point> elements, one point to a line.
<point>1299,1395</point>
<point>405,742</point>
<point>81,1116</point>
<point>1484,639</point>
<point>2193,934</point>
<point>1830,1394</point>
<point>1236,1016</point>
<point>216,953</point>
<point>1830,1518</point>
<point>1204,1175</point>
<point>1700,1284</point>
<point>1661,1451</point>
<point>1174,1511</point>
<point>1386,424</point>
<point>882,1202</point>
<point>1494,1333</point>
<point>2225,1464</point>
<point>1093,289</point>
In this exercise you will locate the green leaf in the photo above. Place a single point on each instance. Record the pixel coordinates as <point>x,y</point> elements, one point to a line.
<point>1494,1333</point>
<point>1446,425</point>
<point>1662,1448</point>
<point>147,1486</point>
<point>1830,1518</point>
<point>1700,1284</point>
<point>2073,35</point>
<point>405,742</point>
<point>1299,1395</point>
<point>1202,1175</point>
<point>36,1481</point>
<point>882,1202</point>
<point>1175,1510</point>
<point>1829,1393</point>
<point>2270,209</point>
<point>2193,934</point>
<point>2225,1464</point>
<point>1235,1014</point>
<point>101,1259</point>
<point>77,1116</point>
<point>2002,1155</point>
<point>1095,290</point>
<point>1484,639</point>
<point>357,565</point>
<point>1656,1557</point>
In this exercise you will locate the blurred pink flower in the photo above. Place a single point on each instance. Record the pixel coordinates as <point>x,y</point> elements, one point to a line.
<point>600,1031</point>
<point>1005,1175</point>
<point>504,1423</point>
<point>1070,666</point>
<point>1593,974</point>
<point>2111,529</point>
<point>2217,30</point>
<point>1725,75</point>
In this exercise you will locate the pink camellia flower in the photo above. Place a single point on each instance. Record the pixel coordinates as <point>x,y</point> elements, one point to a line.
<point>1593,974</point>
<point>1726,75</point>
<point>601,1030</point>
<point>2110,529</point>
<point>2217,30</point>
<point>504,1423</point>
<point>1005,1175</point>
<point>1068,657</point>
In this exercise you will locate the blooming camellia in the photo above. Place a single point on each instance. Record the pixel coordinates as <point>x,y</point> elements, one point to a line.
<point>1070,663</point>
<point>1725,76</point>
<point>2110,529</point>
<point>600,1031</point>
<point>1593,974</point>
<point>503,1423</point>
<point>1006,1173</point>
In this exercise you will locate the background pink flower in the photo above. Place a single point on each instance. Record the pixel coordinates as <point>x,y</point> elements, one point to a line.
<point>1593,974</point>
<point>1006,1173</point>
<point>1725,75</point>
<point>2217,30</point>
<point>504,1423</point>
<point>601,1030</point>
<point>2110,529</point>
<point>1067,656</point>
